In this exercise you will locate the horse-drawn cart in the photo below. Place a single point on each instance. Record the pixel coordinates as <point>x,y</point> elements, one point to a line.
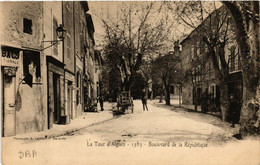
<point>125,102</point>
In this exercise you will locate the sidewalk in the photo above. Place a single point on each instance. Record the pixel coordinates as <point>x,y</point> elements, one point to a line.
<point>175,103</point>
<point>82,121</point>
<point>213,118</point>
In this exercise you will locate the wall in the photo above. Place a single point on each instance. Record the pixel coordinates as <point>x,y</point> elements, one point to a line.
<point>80,21</point>
<point>51,10</point>
<point>69,56</point>
<point>69,26</point>
<point>31,109</point>
<point>192,42</point>
<point>12,14</point>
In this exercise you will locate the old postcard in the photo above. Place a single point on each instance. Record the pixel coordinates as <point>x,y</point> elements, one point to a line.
<point>130,82</point>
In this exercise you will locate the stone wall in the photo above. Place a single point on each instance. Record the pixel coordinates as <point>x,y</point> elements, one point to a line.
<point>30,104</point>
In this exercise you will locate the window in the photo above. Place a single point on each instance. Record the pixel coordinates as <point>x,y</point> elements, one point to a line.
<point>78,85</point>
<point>68,47</point>
<point>198,50</point>
<point>195,51</point>
<point>192,53</point>
<point>55,47</point>
<point>212,91</point>
<point>82,46</point>
<point>210,74</point>
<point>202,48</point>
<point>27,26</point>
<point>239,61</point>
<point>32,65</point>
<point>232,58</point>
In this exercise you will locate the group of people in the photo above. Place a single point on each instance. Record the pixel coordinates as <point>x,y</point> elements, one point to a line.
<point>90,106</point>
<point>233,106</point>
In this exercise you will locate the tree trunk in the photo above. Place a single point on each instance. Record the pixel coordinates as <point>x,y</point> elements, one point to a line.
<point>126,86</point>
<point>223,79</point>
<point>161,96</point>
<point>168,98</point>
<point>248,44</point>
<point>195,98</point>
<point>179,96</point>
<point>224,100</point>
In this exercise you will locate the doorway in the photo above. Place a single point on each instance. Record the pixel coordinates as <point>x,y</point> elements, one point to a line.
<point>70,99</point>
<point>8,103</point>
<point>57,99</point>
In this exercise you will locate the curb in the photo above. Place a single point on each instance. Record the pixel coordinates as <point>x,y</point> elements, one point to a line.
<point>49,135</point>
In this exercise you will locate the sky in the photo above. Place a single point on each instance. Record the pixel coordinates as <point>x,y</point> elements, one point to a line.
<point>100,9</point>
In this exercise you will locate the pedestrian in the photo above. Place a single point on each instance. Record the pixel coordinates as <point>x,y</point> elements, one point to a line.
<point>204,102</point>
<point>233,108</point>
<point>144,100</point>
<point>101,102</point>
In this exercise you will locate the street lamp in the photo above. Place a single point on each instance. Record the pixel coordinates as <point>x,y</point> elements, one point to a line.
<point>61,33</point>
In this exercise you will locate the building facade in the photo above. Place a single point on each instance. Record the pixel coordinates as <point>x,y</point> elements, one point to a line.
<point>89,66</point>
<point>199,65</point>
<point>41,74</point>
<point>23,69</point>
<point>69,60</point>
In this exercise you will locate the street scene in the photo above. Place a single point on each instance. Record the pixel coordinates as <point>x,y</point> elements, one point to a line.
<point>145,82</point>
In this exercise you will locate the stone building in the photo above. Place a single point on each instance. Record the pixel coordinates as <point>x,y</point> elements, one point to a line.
<point>23,69</point>
<point>198,64</point>
<point>89,88</point>
<point>52,18</point>
<point>69,60</point>
<point>97,73</point>
<point>42,74</point>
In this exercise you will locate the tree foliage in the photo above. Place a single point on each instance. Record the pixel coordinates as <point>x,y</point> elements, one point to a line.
<point>211,30</point>
<point>133,34</point>
<point>167,71</point>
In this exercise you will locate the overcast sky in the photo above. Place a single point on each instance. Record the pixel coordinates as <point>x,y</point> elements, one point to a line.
<point>102,9</point>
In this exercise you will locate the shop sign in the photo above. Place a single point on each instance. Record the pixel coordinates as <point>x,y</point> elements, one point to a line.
<point>10,57</point>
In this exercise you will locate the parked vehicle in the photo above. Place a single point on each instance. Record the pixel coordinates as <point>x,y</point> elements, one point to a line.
<point>125,102</point>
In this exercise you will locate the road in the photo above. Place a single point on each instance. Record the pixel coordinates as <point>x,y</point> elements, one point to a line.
<point>162,135</point>
<point>160,123</point>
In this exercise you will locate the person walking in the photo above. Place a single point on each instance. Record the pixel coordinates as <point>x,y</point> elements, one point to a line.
<point>233,106</point>
<point>204,102</point>
<point>144,100</point>
<point>101,102</point>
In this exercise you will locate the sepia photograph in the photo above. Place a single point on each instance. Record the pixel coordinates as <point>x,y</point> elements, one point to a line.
<point>130,82</point>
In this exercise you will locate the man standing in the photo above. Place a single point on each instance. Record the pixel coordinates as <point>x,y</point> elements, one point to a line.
<point>233,106</point>
<point>144,100</point>
<point>101,101</point>
<point>204,102</point>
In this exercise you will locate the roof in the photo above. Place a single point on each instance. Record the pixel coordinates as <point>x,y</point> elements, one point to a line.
<point>84,5</point>
<point>193,31</point>
<point>90,22</point>
<point>90,26</point>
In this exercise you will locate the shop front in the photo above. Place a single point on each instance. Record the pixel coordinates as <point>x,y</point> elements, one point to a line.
<point>9,64</point>
<point>56,105</point>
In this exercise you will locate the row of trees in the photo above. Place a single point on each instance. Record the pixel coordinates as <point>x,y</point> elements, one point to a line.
<point>217,32</point>
<point>135,33</point>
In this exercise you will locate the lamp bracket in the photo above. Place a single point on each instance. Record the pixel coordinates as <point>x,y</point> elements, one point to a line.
<point>54,42</point>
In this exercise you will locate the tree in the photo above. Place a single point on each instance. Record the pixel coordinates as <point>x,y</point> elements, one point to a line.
<point>167,70</point>
<point>246,18</point>
<point>146,72</point>
<point>132,34</point>
<point>246,22</point>
<point>211,29</point>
